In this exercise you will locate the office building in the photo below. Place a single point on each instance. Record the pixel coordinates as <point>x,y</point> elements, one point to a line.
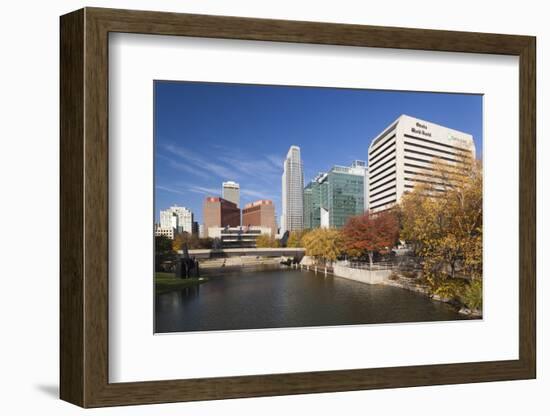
<point>332,197</point>
<point>164,231</point>
<point>404,155</point>
<point>168,219</point>
<point>312,204</point>
<point>231,192</point>
<point>262,214</point>
<point>293,192</point>
<point>359,167</point>
<point>308,206</point>
<point>178,218</point>
<point>218,212</point>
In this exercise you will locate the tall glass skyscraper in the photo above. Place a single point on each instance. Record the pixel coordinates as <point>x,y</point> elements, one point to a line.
<point>293,192</point>
<point>332,197</point>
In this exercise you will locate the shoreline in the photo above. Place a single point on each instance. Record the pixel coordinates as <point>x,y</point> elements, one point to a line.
<point>407,284</point>
<point>410,285</point>
<point>167,282</point>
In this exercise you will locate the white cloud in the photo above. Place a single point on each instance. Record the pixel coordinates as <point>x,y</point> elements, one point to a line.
<point>199,162</point>
<point>170,189</point>
<point>259,176</point>
<point>249,166</point>
<point>204,190</point>
<point>254,194</point>
<point>276,161</point>
<point>185,167</point>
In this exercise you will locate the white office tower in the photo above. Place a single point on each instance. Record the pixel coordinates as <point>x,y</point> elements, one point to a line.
<point>405,154</point>
<point>293,192</point>
<point>178,218</point>
<point>231,191</point>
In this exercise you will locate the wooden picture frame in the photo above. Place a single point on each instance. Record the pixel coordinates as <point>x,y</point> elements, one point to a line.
<point>84,207</point>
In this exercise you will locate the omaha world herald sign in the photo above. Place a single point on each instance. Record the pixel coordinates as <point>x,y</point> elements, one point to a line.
<point>420,128</point>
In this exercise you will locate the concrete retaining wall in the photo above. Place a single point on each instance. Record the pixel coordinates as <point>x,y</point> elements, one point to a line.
<point>214,267</point>
<point>361,275</point>
<point>307,261</point>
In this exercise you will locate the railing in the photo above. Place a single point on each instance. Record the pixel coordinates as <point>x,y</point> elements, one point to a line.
<point>383,265</point>
<point>401,263</point>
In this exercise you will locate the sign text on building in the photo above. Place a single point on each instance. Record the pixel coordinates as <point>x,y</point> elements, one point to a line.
<point>421,129</point>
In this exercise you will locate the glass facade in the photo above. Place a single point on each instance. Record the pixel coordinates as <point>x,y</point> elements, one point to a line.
<point>308,209</point>
<point>343,197</point>
<point>340,192</point>
<point>312,204</point>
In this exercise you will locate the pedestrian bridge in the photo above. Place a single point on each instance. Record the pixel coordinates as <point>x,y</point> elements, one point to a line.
<point>201,254</point>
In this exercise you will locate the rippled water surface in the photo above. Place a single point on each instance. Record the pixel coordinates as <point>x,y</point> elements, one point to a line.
<point>290,298</point>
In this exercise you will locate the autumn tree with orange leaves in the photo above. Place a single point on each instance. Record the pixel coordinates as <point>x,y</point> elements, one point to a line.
<point>370,233</point>
<point>443,220</point>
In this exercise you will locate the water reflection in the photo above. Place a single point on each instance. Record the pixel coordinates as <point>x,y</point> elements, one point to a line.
<point>290,298</point>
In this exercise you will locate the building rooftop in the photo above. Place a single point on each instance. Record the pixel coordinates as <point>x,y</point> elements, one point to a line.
<point>405,117</point>
<point>258,202</point>
<point>218,199</point>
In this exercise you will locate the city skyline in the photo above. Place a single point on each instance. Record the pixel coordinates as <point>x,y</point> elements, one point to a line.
<point>199,126</point>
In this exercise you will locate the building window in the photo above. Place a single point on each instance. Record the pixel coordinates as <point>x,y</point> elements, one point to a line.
<point>380,148</point>
<point>384,204</point>
<point>382,178</point>
<point>382,171</point>
<point>384,197</point>
<point>383,164</point>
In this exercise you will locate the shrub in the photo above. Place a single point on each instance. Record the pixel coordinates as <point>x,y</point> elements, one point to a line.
<point>264,241</point>
<point>448,288</point>
<point>394,276</point>
<point>409,275</point>
<point>472,295</point>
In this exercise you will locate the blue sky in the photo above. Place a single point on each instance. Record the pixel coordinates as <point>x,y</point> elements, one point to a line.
<point>207,133</point>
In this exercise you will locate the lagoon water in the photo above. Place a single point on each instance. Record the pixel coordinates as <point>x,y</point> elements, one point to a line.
<point>290,298</point>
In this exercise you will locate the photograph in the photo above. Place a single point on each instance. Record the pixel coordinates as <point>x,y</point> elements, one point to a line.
<point>287,206</point>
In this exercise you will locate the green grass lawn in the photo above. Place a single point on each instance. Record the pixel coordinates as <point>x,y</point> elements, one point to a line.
<point>166,282</point>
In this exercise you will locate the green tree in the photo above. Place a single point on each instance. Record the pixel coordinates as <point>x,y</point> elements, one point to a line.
<point>163,244</point>
<point>193,242</point>
<point>163,251</point>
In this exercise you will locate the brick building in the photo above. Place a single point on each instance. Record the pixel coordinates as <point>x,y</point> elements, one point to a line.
<point>218,212</point>
<point>260,213</point>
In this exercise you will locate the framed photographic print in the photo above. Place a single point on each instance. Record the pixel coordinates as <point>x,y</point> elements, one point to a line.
<point>255,207</point>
